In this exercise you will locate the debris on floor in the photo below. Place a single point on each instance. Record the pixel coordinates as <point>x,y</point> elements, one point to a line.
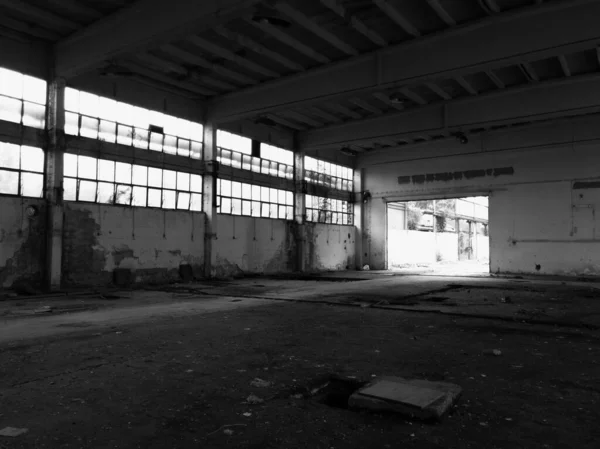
<point>253,399</point>
<point>259,383</point>
<point>413,398</point>
<point>12,432</point>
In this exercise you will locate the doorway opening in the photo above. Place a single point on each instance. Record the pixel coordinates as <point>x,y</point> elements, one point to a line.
<point>443,236</point>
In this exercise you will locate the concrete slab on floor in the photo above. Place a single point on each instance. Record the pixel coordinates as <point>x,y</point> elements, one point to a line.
<point>413,398</point>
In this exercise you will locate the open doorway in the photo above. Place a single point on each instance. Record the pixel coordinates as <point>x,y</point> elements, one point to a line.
<point>443,236</point>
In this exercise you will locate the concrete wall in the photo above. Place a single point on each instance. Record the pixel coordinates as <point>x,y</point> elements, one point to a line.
<point>152,243</point>
<point>329,247</point>
<point>538,221</point>
<point>22,242</point>
<point>253,245</point>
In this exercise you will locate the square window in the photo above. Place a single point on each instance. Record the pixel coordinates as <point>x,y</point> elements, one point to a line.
<point>138,197</point>
<point>10,109</point>
<point>236,160</point>
<point>140,175</point>
<point>183,181</point>
<point>246,208</point>
<point>9,182</point>
<point>196,183</point>
<point>124,135</point>
<point>169,179</point>
<point>87,191</point>
<point>236,206</point>
<point>106,193</point>
<point>86,167</point>
<point>9,155</point>
<point>225,205</point>
<point>32,159</point>
<point>236,189</point>
<point>246,162</point>
<point>106,170</point>
<point>183,147</point>
<point>123,195</point>
<point>89,127</point>
<point>32,184</point>
<point>156,141</point>
<point>71,123</point>
<point>183,200</point>
<point>34,115</point>
<point>170,144</point>
<point>123,173</point>
<point>11,83</point>
<point>70,189</point>
<point>155,177</point>
<point>108,131</point>
<point>141,138</point>
<point>246,191</point>
<point>154,198</point>
<point>196,204</point>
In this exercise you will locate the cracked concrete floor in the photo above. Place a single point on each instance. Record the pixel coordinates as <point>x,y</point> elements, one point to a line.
<point>170,369</point>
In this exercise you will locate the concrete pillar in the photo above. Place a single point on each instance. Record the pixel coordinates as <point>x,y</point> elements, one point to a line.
<point>299,211</point>
<point>54,161</point>
<point>209,198</point>
<point>358,218</point>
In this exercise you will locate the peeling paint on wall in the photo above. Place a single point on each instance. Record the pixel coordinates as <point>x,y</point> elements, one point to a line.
<point>22,242</point>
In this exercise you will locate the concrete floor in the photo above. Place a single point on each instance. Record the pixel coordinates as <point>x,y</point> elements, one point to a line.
<point>170,366</point>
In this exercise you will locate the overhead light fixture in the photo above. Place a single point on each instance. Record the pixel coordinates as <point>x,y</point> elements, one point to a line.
<point>462,138</point>
<point>348,151</point>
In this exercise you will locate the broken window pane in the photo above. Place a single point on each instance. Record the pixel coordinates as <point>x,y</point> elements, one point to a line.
<point>139,196</point>
<point>9,182</point>
<point>32,159</point>
<point>106,193</point>
<point>9,155</point>
<point>123,195</point>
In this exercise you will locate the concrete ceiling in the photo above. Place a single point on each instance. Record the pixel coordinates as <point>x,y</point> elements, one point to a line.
<point>359,74</point>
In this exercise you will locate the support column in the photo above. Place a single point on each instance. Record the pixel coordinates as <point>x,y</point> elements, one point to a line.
<point>358,218</point>
<point>299,210</point>
<point>209,198</point>
<point>54,164</point>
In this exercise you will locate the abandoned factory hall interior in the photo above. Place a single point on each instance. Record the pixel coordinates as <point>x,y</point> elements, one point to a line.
<point>299,224</point>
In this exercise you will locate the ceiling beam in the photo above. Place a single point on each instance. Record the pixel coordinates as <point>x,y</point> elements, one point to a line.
<point>260,49</point>
<point>530,72</point>
<point>160,77</point>
<point>29,29</point>
<point>441,12</point>
<point>316,29</point>
<point>40,15</point>
<point>397,17</point>
<point>466,85</point>
<point>344,110</point>
<point>325,115</point>
<point>412,96</point>
<point>291,42</point>
<point>215,49</point>
<point>298,117</point>
<point>285,122</point>
<point>564,64</point>
<point>439,91</point>
<point>140,26</point>
<point>190,58</point>
<point>355,22</point>
<point>385,98</point>
<point>495,79</point>
<point>366,106</point>
<point>489,6</point>
<point>528,35</point>
<point>76,7</point>
<point>576,95</point>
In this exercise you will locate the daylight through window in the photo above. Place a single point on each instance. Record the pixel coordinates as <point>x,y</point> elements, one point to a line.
<point>22,99</point>
<point>328,210</point>
<point>110,182</point>
<point>21,170</point>
<point>238,198</point>
<point>327,174</point>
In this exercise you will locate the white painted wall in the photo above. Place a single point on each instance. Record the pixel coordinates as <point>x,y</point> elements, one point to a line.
<point>330,247</point>
<point>534,226</point>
